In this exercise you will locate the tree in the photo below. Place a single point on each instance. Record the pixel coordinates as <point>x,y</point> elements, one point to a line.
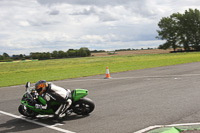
<point>181,30</point>
<point>35,55</point>
<point>55,54</point>
<point>15,57</point>
<point>61,54</point>
<point>6,57</point>
<point>168,31</point>
<point>82,52</point>
<point>1,57</point>
<point>48,55</point>
<point>192,23</point>
<point>87,51</point>
<point>72,53</point>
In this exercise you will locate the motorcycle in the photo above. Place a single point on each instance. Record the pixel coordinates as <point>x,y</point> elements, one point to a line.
<point>80,104</point>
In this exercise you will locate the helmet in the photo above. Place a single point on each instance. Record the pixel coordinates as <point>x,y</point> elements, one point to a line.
<point>41,86</point>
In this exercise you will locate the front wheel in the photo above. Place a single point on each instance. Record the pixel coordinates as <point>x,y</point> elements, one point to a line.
<point>26,112</point>
<point>83,107</point>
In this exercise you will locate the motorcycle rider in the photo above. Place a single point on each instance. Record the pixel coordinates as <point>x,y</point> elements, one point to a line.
<point>49,91</point>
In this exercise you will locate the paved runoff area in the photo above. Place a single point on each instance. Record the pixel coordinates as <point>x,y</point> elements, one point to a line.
<point>150,100</point>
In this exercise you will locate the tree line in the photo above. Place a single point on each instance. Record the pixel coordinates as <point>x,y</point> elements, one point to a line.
<point>82,52</point>
<point>180,30</point>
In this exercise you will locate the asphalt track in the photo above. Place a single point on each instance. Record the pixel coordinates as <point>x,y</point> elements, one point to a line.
<point>126,103</point>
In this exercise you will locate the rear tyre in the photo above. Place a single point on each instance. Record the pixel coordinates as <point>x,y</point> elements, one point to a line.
<point>83,107</point>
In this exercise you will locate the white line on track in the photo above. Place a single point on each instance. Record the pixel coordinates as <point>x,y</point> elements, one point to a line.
<point>148,128</point>
<point>159,126</point>
<point>38,123</point>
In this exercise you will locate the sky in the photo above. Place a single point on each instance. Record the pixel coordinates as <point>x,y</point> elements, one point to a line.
<point>46,25</point>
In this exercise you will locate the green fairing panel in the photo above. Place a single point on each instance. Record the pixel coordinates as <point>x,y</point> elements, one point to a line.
<point>44,102</point>
<point>79,93</point>
<point>55,103</point>
<point>40,111</point>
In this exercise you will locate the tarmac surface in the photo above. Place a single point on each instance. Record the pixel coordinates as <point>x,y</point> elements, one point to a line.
<point>126,103</point>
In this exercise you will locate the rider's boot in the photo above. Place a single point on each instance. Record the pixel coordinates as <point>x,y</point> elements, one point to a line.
<point>60,113</point>
<point>65,107</point>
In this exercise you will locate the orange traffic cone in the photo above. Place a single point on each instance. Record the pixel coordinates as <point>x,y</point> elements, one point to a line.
<point>107,73</point>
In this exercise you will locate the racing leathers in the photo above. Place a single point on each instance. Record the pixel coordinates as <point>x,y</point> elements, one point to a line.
<point>59,94</point>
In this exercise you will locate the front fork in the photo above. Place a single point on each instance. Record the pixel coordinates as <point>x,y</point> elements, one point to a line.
<point>24,106</point>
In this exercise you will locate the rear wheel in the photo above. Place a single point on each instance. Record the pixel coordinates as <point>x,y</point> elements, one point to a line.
<point>83,107</point>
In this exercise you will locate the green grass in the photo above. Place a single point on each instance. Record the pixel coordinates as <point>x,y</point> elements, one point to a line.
<point>20,73</point>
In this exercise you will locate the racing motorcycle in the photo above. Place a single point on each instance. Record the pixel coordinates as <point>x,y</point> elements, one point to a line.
<point>80,104</point>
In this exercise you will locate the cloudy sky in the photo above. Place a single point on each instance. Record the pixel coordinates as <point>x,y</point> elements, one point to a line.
<point>46,25</point>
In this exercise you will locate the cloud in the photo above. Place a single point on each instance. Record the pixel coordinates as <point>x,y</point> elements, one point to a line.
<point>47,25</point>
<point>54,12</point>
<point>84,2</point>
<point>89,11</point>
<point>103,14</point>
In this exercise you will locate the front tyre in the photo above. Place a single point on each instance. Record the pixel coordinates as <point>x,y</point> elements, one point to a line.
<point>26,112</point>
<point>83,107</point>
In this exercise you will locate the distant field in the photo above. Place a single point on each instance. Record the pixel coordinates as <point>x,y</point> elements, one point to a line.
<point>57,69</point>
<point>134,52</point>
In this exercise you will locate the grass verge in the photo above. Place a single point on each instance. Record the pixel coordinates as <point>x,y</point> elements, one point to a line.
<point>57,69</point>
